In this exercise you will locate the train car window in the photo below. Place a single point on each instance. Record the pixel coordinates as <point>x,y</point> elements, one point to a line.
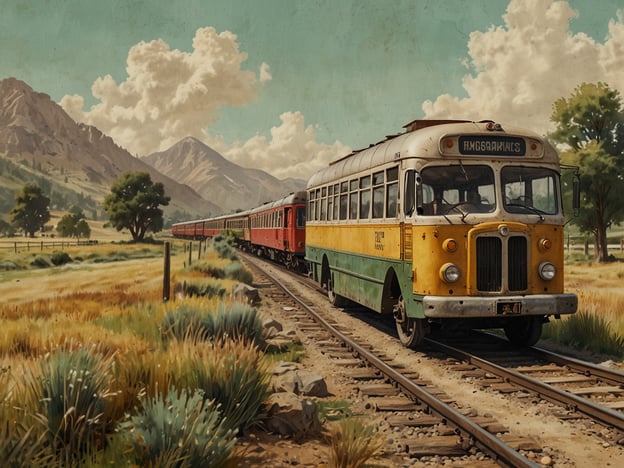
<point>324,204</point>
<point>365,197</point>
<point>353,199</point>
<point>392,199</point>
<point>378,195</point>
<point>336,203</point>
<point>311,202</point>
<point>318,204</point>
<point>344,200</point>
<point>301,217</point>
<point>330,204</point>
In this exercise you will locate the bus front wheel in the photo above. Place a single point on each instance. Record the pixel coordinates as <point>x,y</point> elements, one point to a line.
<point>411,330</point>
<point>524,331</point>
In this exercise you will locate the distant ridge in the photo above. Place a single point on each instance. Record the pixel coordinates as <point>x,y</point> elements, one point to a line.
<point>39,137</point>
<point>216,179</point>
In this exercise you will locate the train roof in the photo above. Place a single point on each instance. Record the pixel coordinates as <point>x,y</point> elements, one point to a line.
<point>422,140</point>
<point>290,199</point>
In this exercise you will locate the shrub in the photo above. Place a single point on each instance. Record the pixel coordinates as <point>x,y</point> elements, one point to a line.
<point>186,322</point>
<point>223,244</point>
<point>204,289</point>
<point>179,431</point>
<point>586,331</point>
<point>60,258</point>
<point>7,265</point>
<point>353,443</point>
<point>234,375</point>
<point>41,261</point>
<point>238,272</point>
<point>70,395</point>
<point>208,269</point>
<point>238,321</point>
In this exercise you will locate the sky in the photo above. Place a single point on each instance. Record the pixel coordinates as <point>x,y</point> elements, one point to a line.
<point>287,86</point>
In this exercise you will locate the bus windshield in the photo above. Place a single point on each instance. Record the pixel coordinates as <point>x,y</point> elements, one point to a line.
<point>530,190</point>
<point>457,189</point>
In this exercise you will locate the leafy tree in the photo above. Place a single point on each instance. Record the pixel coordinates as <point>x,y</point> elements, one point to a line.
<point>31,210</point>
<point>134,203</point>
<point>590,125</point>
<point>74,224</point>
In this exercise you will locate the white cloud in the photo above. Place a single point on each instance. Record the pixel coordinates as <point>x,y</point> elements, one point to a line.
<point>169,94</point>
<point>518,70</point>
<point>292,150</point>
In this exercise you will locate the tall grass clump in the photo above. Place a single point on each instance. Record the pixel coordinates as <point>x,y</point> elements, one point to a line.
<point>238,272</point>
<point>204,289</point>
<point>178,431</point>
<point>20,443</point>
<point>69,395</point>
<point>353,443</point>
<point>586,331</point>
<point>208,269</point>
<point>232,373</point>
<point>193,322</point>
<point>224,244</point>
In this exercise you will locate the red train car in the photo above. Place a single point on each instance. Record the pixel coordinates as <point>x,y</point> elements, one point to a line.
<point>277,230</point>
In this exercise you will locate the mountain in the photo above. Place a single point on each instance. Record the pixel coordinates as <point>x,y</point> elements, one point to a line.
<point>40,142</point>
<point>215,178</point>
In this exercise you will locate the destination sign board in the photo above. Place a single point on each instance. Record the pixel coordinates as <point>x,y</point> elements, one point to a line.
<point>492,145</point>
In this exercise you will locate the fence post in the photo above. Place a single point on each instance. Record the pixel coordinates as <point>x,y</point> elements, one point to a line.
<point>190,253</point>
<point>199,250</point>
<point>167,273</point>
<point>586,247</point>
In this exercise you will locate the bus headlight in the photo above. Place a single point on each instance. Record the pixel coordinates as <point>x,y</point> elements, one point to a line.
<point>449,272</point>
<point>547,271</point>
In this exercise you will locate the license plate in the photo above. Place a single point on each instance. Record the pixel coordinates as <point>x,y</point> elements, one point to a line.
<point>509,308</point>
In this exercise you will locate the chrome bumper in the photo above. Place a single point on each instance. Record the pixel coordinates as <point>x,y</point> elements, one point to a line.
<point>508,306</point>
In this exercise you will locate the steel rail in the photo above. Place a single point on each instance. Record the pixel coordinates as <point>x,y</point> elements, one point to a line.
<point>546,391</point>
<point>487,442</point>
<point>608,375</point>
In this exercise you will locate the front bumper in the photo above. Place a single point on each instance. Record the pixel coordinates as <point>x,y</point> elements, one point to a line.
<point>508,306</point>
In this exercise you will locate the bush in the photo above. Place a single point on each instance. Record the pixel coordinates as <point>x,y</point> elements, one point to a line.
<point>234,375</point>
<point>70,394</point>
<point>237,272</point>
<point>186,322</point>
<point>41,261</point>
<point>204,289</point>
<point>179,431</point>
<point>60,258</point>
<point>208,269</point>
<point>223,244</point>
<point>353,443</point>
<point>238,322</point>
<point>586,331</point>
<point>8,265</point>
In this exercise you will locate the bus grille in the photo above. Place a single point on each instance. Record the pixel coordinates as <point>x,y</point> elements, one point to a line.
<point>491,262</point>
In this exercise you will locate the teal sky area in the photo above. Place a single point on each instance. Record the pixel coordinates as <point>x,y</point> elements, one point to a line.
<point>356,69</point>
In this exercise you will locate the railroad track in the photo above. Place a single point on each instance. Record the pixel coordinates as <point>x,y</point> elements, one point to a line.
<point>424,420</point>
<point>582,389</point>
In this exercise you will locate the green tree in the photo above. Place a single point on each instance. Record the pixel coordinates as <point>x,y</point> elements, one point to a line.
<point>134,202</point>
<point>31,210</point>
<point>590,126</point>
<point>74,224</point>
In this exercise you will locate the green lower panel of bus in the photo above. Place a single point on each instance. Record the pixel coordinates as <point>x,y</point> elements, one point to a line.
<point>364,279</point>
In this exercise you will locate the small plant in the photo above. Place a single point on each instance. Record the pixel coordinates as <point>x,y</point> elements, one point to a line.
<point>223,244</point>
<point>208,269</point>
<point>179,431</point>
<point>238,272</point>
<point>70,395</point>
<point>60,258</point>
<point>41,261</point>
<point>186,322</point>
<point>353,443</point>
<point>231,373</point>
<point>586,331</point>
<point>204,289</point>
<point>238,321</point>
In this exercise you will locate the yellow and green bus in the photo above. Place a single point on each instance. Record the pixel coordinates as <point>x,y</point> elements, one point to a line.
<point>448,223</point>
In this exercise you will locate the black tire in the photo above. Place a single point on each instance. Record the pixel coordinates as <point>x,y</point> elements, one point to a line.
<point>524,331</point>
<point>335,299</point>
<point>411,330</point>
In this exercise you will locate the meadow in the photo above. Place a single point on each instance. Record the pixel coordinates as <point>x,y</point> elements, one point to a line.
<point>93,361</point>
